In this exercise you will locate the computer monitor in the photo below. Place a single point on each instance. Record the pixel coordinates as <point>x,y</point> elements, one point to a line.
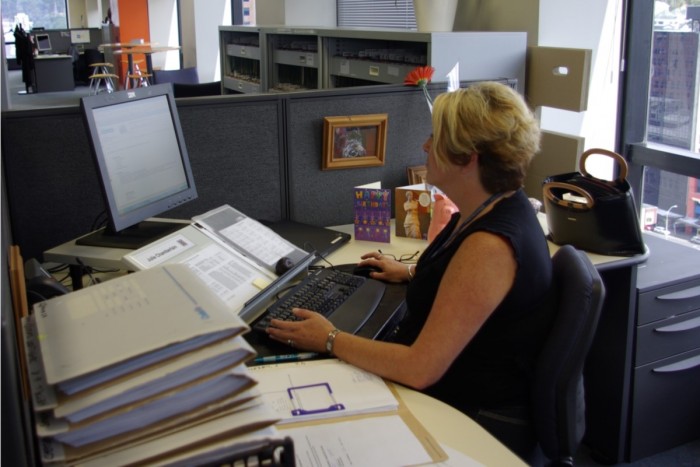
<point>80,36</point>
<point>142,163</point>
<point>43,42</point>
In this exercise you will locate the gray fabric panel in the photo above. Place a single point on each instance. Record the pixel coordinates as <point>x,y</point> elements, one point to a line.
<point>239,153</point>
<point>235,156</point>
<point>325,198</point>
<point>52,188</point>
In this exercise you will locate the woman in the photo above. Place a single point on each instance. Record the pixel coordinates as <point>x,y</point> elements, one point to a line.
<point>476,313</point>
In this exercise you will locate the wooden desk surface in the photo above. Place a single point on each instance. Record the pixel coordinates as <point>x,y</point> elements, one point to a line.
<point>454,429</point>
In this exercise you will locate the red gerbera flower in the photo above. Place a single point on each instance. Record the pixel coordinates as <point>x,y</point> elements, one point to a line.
<point>419,76</point>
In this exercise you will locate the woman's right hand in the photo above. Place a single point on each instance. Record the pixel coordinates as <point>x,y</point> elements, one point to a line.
<point>391,269</point>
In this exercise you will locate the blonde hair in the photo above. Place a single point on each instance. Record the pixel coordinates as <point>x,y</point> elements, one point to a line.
<point>492,120</point>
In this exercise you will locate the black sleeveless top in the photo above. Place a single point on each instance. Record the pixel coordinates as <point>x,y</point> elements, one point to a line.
<point>494,370</point>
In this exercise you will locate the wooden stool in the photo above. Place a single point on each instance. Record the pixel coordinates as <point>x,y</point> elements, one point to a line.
<point>127,78</point>
<point>102,74</point>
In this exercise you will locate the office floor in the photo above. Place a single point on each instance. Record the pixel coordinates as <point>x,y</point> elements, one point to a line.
<point>19,101</point>
<point>687,455</point>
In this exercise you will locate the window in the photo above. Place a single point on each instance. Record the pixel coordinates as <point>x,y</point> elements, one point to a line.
<point>660,120</point>
<point>47,14</point>
<point>376,13</point>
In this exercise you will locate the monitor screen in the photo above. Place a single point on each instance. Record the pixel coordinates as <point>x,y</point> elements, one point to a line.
<point>43,42</point>
<point>142,161</point>
<point>80,36</point>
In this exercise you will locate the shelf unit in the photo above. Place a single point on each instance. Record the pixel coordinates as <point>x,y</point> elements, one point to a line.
<point>282,58</point>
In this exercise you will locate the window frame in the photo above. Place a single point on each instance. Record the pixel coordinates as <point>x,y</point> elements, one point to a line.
<point>634,103</point>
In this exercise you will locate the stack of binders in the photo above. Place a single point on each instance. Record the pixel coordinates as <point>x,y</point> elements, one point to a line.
<point>146,368</point>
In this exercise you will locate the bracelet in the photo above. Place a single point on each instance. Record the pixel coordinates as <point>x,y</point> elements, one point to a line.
<point>331,340</point>
<point>410,275</point>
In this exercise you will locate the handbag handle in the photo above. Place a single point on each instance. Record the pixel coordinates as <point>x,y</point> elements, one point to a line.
<point>621,162</point>
<point>547,192</point>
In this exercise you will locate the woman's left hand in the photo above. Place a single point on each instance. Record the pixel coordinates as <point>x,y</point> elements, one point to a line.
<point>310,333</point>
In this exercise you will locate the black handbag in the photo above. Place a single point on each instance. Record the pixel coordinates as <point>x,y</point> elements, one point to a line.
<point>592,214</point>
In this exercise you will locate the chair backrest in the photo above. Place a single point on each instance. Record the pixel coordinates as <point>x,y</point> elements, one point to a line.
<point>183,76</point>
<point>197,90</point>
<point>558,391</point>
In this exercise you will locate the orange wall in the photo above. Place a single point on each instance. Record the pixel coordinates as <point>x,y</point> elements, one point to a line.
<point>131,17</point>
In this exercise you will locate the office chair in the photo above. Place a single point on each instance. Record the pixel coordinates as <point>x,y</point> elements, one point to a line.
<point>197,90</point>
<point>182,76</point>
<point>558,391</point>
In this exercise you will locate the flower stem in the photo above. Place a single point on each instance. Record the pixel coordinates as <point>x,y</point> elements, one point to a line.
<point>428,98</point>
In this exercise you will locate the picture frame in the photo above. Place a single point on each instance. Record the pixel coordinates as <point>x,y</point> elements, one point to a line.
<point>416,174</point>
<point>354,141</point>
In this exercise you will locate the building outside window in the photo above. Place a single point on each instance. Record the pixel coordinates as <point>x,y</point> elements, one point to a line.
<point>666,142</point>
<point>47,14</point>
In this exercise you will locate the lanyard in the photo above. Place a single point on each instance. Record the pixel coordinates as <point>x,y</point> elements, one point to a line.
<point>463,226</point>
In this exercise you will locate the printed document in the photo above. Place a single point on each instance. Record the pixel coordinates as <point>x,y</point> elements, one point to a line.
<point>248,236</point>
<point>312,390</point>
<point>371,441</point>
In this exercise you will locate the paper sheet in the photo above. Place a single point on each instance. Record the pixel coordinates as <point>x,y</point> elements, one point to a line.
<point>321,389</point>
<point>371,441</point>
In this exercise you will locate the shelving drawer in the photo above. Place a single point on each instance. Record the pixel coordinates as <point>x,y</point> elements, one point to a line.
<point>295,58</point>
<point>668,301</point>
<point>243,51</point>
<point>668,337</point>
<point>240,85</point>
<point>666,406</point>
<point>370,70</point>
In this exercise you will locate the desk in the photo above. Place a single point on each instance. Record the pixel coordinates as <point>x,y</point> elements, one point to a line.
<point>609,366</point>
<point>449,426</point>
<point>454,429</point>
<point>145,49</point>
<point>54,73</point>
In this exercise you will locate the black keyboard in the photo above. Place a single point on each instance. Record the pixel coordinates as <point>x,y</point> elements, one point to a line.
<point>345,299</point>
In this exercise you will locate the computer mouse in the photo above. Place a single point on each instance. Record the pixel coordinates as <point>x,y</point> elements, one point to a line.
<point>365,270</point>
<point>283,265</point>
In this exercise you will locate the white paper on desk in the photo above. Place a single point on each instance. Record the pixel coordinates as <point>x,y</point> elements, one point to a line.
<point>313,390</point>
<point>371,441</point>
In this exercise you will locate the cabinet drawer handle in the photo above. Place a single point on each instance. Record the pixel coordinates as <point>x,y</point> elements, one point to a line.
<point>684,294</point>
<point>682,326</point>
<point>686,364</point>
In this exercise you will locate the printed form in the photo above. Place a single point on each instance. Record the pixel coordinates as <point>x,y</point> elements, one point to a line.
<point>312,390</point>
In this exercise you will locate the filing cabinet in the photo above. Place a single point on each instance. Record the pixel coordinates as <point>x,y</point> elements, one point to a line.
<point>664,403</point>
<point>290,58</point>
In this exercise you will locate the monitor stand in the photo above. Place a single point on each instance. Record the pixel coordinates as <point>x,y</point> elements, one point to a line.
<point>131,238</point>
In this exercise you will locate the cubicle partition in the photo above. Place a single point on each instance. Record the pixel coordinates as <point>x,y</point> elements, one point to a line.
<point>259,153</point>
<point>326,197</point>
<point>235,148</point>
